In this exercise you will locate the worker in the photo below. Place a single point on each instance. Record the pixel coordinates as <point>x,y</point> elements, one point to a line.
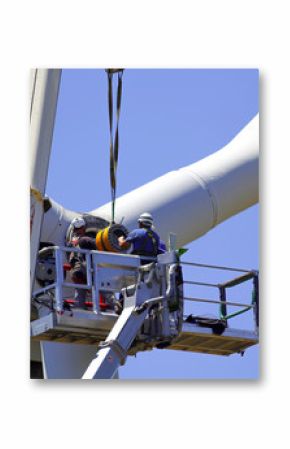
<point>145,241</point>
<point>77,260</point>
<point>78,230</point>
<point>162,247</point>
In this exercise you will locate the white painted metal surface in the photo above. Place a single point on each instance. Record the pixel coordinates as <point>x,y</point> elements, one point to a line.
<point>64,361</point>
<point>196,198</point>
<point>190,201</point>
<point>44,93</point>
<point>55,223</point>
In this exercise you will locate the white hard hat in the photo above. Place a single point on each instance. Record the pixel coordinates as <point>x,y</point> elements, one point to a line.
<point>78,222</point>
<point>146,219</point>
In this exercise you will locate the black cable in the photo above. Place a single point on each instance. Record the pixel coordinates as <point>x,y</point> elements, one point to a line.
<point>114,144</point>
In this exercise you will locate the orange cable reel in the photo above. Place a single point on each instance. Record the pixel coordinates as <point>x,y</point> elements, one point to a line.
<point>107,239</point>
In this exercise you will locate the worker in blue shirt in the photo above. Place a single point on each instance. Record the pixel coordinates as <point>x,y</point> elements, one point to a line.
<point>144,241</point>
<point>162,247</point>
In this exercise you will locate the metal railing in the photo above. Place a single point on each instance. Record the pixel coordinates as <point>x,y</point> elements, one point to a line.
<point>222,288</point>
<point>59,284</point>
<point>92,261</point>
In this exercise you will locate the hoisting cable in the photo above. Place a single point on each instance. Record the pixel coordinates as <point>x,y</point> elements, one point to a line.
<point>114,144</point>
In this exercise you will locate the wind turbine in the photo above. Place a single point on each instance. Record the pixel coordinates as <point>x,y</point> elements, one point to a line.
<point>191,201</point>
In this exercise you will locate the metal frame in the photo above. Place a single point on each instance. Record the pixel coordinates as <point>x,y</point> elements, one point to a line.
<point>222,301</point>
<point>112,272</point>
<point>95,260</point>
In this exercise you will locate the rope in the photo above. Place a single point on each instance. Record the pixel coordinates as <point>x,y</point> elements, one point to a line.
<point>114,143</point>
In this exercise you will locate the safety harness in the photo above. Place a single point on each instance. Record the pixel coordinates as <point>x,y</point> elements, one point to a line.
<point>154,241</point>
<point>142,251</point>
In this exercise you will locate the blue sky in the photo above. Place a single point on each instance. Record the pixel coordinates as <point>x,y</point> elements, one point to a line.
<point>169,119</point>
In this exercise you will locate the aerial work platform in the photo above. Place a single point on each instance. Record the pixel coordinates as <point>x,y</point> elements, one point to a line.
<point>158,313</point>
<point>192,338</point>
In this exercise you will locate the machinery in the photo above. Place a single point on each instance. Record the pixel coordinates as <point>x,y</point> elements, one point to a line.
<point>139,306</point>
<point>133,307</point>
<point>130,305</point>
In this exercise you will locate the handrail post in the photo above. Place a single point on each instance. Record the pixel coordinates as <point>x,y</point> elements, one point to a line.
<point>89,270</point>
<point>165,309</point>
<point>255,296</point>
<point>59,279</point>
<point>223,299</point>
<point>95,286</point>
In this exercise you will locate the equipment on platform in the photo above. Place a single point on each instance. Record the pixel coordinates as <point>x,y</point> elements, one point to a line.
<point>107,239</point>
<point>152,310</point>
